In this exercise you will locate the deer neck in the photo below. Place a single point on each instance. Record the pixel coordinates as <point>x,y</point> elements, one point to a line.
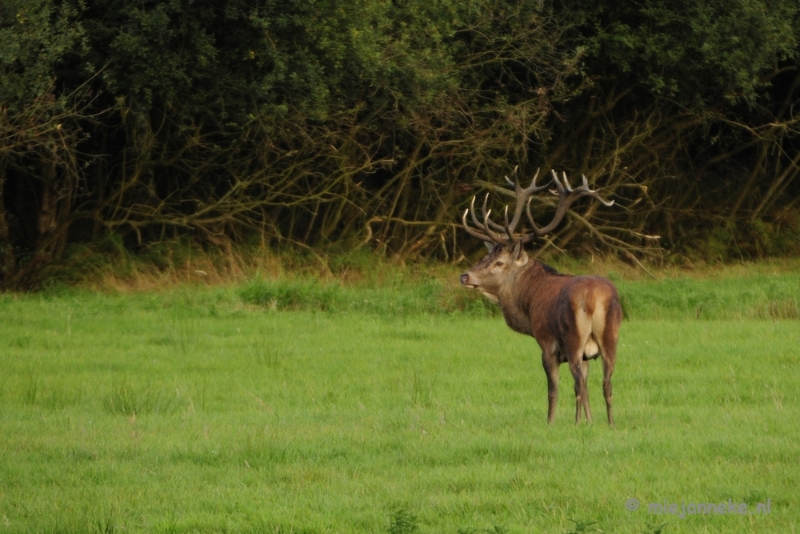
<point>523,294</point>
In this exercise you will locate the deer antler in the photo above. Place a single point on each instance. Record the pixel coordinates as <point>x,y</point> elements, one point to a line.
<point>490,228</point>
<point>567,195</point>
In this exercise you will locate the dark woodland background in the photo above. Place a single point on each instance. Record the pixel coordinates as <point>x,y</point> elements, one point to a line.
<point>331,125</point>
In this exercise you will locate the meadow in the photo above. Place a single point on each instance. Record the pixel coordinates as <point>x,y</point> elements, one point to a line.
<point>308,407</point>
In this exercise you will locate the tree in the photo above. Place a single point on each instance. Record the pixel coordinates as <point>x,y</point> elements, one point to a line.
<point>38,133</point>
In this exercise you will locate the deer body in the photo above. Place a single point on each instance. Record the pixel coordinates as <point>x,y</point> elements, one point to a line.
<point>573,318</point>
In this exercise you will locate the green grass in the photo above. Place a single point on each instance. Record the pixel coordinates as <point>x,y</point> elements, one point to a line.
<point>758,295</point>
<point>299,407</point>
<point>755,296</point>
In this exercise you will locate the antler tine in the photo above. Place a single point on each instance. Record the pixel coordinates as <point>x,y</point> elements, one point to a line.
<point>586,192</point>
<point>567,195</point>
<point>495,237</point>
<point>566,182</point>
<point>533,188</point>
<point>534,228</point>
<point>559,185</point>
<point>474,233</point>
<point>522,196</point>
<point>509,231</point>
<point>496,227</point>
<point>487,235</point>
<point>472,212</point>
<point>508,181</point>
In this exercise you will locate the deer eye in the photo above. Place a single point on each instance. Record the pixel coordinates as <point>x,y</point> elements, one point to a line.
<point>499,264</point>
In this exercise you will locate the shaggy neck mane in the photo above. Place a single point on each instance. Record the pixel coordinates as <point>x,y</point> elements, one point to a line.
<point>546,268</point>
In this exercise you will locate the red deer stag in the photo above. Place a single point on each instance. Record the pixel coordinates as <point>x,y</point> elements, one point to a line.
<point>573,318</point>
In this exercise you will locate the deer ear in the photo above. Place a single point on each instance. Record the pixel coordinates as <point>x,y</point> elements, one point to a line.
<point>519,254</point>
<point>489,246</point>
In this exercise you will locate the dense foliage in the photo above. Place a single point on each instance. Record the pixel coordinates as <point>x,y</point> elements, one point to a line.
<point>342,124</point>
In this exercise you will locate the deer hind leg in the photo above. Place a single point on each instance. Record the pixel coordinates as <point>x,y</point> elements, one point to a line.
<point>580,372</point>
<point>608,370</point>
<point>608,350</point>
<point>585,392</point>
<point>550,364</point>
<point>576,345</point>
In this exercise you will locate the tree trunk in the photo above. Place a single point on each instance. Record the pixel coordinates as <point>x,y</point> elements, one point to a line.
<point>8,264</point>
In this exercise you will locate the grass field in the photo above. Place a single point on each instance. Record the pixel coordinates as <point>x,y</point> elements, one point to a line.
<point>297,407</point>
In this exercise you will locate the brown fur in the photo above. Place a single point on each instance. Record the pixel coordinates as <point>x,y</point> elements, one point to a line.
<point>573,318</point>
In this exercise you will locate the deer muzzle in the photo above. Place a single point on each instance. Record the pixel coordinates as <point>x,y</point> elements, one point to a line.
<point>465,281</point>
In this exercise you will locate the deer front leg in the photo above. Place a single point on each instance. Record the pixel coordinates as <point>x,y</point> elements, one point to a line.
<point>550,364</point>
